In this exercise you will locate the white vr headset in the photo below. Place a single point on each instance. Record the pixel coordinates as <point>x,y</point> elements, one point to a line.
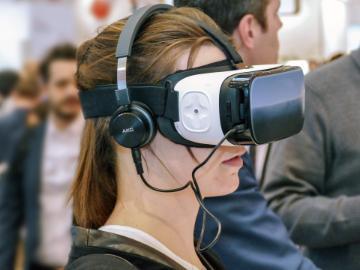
<point>197,107</point>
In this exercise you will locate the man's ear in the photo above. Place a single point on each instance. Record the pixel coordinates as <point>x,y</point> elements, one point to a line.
<point>246,31</point>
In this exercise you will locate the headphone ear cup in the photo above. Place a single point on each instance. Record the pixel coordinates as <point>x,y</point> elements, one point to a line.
<point>132,126</point>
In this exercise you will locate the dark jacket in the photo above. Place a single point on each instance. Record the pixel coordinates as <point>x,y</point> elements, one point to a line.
<point>253,237</point>
<point>12,128</point>
<point>19,203</point>
<point>313,178</point>
<point>95,249</point>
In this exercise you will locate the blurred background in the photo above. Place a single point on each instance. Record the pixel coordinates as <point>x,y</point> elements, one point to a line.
<point>28,28</point>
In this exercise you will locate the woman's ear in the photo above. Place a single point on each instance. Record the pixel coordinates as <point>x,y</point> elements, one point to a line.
<point>246,31</point>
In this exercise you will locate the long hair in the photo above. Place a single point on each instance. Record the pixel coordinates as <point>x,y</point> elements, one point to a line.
<point>162,40</point>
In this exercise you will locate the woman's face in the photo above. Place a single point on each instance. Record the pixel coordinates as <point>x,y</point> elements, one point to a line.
<point>219,176</point>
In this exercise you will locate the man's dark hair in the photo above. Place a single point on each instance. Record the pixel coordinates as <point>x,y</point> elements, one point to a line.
<point>228,13</point>
<point>59,52</point>
<point>8,81</point>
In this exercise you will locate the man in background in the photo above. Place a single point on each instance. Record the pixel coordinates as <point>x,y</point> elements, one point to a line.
<point>24,98</point>
<point>253,237</point>
<point>312,180</point>
<point>34,193</point>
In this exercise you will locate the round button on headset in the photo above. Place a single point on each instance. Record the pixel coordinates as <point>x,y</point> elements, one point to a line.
<point>195,112</point>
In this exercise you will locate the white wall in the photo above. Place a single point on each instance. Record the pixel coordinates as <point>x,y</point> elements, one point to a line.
<point>316,32</point>
<point>301,33</point>
<point>51,23</point>
<point>334,24</point>
<point>14,33</point>
<point>353,33</point>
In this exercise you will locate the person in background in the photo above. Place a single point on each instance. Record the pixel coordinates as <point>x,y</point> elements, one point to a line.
<point>253,236</point>
<point>312,180</point>
<point>35,191</point>
<point>8,82</point>
<point>25,97</point>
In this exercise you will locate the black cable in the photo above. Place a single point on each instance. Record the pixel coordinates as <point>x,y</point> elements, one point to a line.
<point>136,154</point>
<point>163,190</point>
<point>198,195</point>
<point>265,166</point>
<point>202,232</point>
<point>231,131</point>
<point>203,225</point>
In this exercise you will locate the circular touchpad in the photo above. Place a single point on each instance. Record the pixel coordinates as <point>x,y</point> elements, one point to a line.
<point>195,112</point>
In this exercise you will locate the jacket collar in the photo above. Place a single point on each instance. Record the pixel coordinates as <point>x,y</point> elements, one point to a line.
<point>83,237</point>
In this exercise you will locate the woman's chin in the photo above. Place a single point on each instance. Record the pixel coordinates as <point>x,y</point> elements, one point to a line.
<point>224,186</point>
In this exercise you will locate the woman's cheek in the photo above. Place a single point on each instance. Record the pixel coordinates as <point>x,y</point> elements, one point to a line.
<point>219,182</point>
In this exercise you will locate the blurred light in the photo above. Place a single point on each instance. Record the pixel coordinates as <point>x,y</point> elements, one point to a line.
<point>100,9</point>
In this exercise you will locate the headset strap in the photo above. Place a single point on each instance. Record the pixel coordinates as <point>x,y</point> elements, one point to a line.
<point>104,100</point>
<point>222,43</point>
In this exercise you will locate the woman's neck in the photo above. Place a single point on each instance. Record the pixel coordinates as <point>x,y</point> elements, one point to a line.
<point>169,217</point>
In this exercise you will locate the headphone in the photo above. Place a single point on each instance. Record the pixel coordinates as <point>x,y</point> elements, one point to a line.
<point>132,125</point>
<point>133,122</point>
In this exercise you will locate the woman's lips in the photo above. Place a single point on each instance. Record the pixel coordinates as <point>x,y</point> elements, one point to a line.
<point>234,162</point>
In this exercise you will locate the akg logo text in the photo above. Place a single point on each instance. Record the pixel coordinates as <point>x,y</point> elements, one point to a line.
<point>128,130</point>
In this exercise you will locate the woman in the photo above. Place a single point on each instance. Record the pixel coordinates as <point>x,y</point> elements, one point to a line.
<point>152,230</point>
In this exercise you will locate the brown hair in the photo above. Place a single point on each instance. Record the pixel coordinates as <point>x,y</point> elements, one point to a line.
<point>163,39</point>
<point>228,13</point>
<point>29,86</point>
<point>60,52</point>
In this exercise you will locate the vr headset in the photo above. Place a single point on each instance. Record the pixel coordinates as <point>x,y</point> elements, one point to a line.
<point>196,107</point>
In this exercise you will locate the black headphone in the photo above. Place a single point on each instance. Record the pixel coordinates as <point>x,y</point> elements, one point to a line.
<point>133,123</point>
<point>132,126</point>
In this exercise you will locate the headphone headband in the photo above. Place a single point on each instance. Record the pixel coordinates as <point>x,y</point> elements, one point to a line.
<point>126,42</point>
<point>130,32</point>
<point>134,23</point>
<point>132,28</point>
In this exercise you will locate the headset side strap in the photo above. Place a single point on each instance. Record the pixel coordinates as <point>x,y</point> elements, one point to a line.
<point>104,100</point>
<point>99,102</point>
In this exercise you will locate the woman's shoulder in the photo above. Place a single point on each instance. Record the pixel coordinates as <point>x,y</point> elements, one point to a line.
<point>100,250</point>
